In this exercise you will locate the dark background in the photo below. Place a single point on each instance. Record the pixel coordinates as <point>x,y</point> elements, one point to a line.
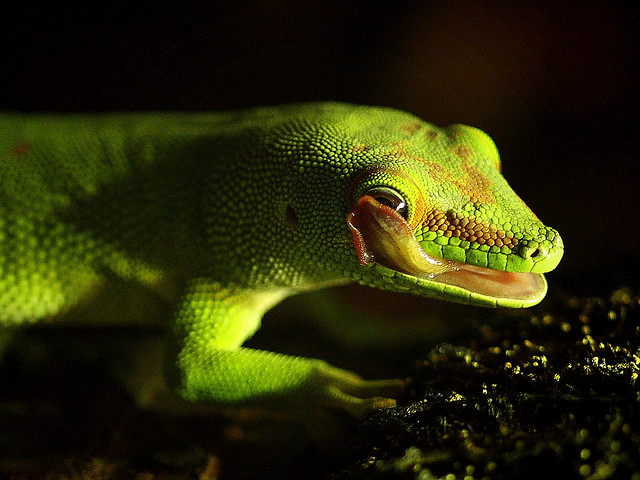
<point>554,84</point>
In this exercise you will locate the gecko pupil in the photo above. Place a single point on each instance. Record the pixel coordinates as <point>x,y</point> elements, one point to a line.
<point>386,201</point>
<point>390,198</point>
<point>398,205</point>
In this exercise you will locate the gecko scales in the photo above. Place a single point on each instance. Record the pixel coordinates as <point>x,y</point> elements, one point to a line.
<point>228,213</point>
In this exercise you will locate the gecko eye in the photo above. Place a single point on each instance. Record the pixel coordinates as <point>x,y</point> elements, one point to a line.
<point>391,198</point>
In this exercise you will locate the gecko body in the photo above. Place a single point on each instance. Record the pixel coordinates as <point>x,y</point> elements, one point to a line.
<point>226,214</point>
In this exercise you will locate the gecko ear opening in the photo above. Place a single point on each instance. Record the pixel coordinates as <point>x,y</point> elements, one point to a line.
<point>291,217</point>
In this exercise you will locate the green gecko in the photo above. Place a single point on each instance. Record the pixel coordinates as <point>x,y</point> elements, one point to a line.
<point>226,214</point>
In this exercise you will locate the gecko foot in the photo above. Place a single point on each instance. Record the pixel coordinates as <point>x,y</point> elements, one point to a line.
<point>347,391</point>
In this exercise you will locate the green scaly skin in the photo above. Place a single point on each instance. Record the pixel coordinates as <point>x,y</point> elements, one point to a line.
<point>229,213</point>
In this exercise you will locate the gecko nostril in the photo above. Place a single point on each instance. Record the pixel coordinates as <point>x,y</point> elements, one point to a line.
<point>535,252</point>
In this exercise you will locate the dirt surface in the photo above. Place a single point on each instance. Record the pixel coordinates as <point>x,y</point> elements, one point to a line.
<point>551,395</point>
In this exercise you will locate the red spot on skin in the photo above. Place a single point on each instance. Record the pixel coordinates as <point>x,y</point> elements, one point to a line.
<point>410,128</point>
<point>463,151</point>
<point>19,149</point>
<point>360,148</point>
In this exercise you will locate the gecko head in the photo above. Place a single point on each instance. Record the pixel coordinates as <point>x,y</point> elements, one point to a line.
<point>431,213</point>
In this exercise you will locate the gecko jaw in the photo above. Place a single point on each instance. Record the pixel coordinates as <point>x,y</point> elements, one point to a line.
<point>492,283</point>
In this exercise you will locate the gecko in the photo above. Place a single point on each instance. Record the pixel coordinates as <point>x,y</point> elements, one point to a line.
<point>226,214</point>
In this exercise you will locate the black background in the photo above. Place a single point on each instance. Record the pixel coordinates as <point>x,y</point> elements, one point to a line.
<point>554,84</point>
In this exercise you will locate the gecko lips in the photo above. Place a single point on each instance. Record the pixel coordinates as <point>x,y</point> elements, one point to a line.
<point>382,235</point>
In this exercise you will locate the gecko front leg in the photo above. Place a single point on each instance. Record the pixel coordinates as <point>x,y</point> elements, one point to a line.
<point>209,364</point>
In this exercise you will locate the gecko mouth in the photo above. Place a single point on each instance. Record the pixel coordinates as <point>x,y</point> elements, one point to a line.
<point>382,235</point>
<point>490,283</point>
